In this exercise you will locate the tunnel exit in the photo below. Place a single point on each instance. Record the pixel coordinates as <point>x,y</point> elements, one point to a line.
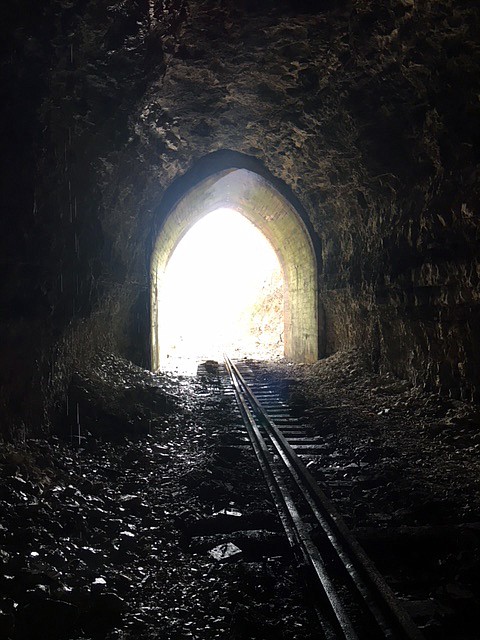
<point>248,204</point>
<point>222,293</point>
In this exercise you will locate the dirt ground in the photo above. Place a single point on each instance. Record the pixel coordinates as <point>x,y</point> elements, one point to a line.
<point>421,440</point>
<point>403,468</point>
<point>109,528</point>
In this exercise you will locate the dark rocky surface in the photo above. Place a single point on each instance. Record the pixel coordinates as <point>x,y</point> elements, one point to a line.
<point>163,528</point>
<point>402,466</point>
<point>367,112</point>
<point>113,538</point>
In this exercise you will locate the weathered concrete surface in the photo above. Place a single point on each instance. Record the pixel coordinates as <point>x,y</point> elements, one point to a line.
<point>368,113</point>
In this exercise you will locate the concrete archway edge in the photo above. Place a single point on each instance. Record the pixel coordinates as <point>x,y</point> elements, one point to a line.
<point>260,202</point>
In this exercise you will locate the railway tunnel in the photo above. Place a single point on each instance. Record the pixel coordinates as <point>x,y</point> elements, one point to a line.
<point>347,133</point>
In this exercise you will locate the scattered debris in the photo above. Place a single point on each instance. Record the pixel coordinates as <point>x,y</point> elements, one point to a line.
<point>226,552</point>
<point>98,537</point>
<point>113,536</point>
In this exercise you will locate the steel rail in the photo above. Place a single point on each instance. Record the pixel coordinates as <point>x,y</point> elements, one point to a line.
<point>390,619</point>
<point>297,533</point>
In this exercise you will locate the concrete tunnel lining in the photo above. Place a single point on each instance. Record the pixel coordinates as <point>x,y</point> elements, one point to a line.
<point>256,199</point>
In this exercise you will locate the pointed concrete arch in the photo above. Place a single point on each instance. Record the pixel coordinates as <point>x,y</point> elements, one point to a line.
<point>260,202</point>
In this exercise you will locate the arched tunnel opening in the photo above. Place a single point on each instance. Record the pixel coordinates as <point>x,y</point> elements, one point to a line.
<point>280,224</point>
<point>221,292</point>
<point>144,498</point>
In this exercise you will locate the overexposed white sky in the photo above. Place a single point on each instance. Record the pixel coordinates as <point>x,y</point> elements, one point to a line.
<point>217,270</point>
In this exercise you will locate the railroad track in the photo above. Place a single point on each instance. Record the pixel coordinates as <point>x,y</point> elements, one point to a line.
<point>350,596</point>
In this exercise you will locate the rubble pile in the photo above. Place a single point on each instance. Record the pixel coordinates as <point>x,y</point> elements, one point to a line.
<point>115,397</point>
<point>158,533</point>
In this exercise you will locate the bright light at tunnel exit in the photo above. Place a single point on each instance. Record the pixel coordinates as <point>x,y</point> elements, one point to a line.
<point>222,292</point>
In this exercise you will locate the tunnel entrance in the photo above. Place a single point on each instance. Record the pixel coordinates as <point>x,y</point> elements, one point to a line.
<point>246,193</point>
<point>222,293</point>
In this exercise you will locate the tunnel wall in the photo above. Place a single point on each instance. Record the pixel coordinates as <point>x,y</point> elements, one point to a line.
<point>368,112</point>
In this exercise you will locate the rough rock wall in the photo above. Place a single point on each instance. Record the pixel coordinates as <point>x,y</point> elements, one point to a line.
<point>368,110</point>
<point>72,73</point>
